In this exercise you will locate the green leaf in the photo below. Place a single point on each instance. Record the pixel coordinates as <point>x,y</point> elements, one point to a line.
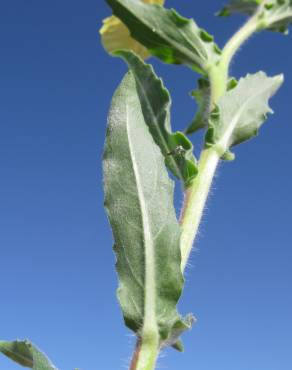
<point>240,6</point>
<point>202,97</point>
<point>277,15</point>
<point>177,330</point>
<point>167,35</point>
<point>274,15</point>
<point>26,354</point>
<point>155,102</point>
<point>139,203</point>
<point>241,112</point>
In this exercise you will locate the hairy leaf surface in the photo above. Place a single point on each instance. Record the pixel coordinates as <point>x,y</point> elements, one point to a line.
<point>167,35</point>
<point>242,111</point>
<point>274,15</point>
<point>139,202</point>
<point>26,354</point>
<point>155,102</point>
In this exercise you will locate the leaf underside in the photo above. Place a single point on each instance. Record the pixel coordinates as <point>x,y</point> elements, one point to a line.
<point>167,35</point>
<point>275,15</point>
<point>155,103</point>
<point>26,354</point>
<point>138,200</point>
<point>241,111</point>
<point>202,97</point>
<point>247,7</point>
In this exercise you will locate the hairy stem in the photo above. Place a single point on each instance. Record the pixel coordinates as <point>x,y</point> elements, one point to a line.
<point>197,194</point>
<point>238,39</point>
<point>218,78</point>
<point>146,353</point>
<point>147,349</point>
<point>135,357</point>
<point>195,200</point>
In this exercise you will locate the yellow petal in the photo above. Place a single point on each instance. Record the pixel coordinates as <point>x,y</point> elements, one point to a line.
<point>115,35</point>
<point>159,2</point>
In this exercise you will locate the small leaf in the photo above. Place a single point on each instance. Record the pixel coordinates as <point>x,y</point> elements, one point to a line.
<point>274,15</point>
<point>139,203</point>
<point>167,35</point>
<point>115,35</point>
<point>278,15</point>
<point>239,6</point>
<point>155,102</point>
<point>26,354</point>
<point>228,156</point>
<point>202,97</point>
<point>178,346</point>
<point>177,330</point>
<point>241,112</point>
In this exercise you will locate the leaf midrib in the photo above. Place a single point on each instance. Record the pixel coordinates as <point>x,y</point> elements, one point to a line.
<point>184,51</point>
<point>149,319</point>
<point>233,125</point>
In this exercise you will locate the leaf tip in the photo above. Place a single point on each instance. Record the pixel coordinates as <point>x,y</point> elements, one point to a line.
<point>280,78</point>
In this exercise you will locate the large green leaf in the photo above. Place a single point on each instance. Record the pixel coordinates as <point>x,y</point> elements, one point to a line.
<point>139,202</point>
<point>155,102</point>
<point>26,355</point>
<point>242,111</point>
<point>274,15</point>
<point>167,35</point>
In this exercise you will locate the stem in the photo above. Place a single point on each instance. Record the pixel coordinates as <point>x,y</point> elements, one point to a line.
<point>218,78</point>
<point>195,200</point>
<point>238,39</point>
<point>197,194</point>
<point>146,353</point>
<point>135,358</point>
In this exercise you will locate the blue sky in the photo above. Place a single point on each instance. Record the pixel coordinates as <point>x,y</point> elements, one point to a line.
<point>56,267</point>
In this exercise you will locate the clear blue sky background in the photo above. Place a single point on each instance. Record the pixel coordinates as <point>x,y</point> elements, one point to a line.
<point>56,267</point>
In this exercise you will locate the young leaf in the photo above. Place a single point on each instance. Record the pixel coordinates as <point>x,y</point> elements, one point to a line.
<point>242,111</point>
<point>240,6</point>
<point>167,35</point>
<point>274,15</point>
<point>115,35</point>
<point>277,15</point>
<point>177,330</point>
<point>138,199</point>
<point>202,96</point>
<point>155,102</point>
<point>26,354</point>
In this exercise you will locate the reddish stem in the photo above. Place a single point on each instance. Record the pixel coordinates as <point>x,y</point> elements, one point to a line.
<point>135,358</point>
